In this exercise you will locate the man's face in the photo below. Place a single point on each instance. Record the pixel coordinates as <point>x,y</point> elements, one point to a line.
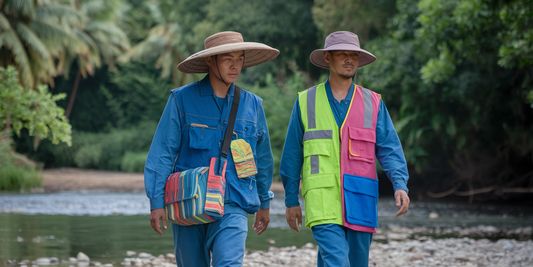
<point>344,63</point>
<point>229,65</point>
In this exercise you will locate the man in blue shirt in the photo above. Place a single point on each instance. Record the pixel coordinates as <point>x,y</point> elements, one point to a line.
<point>191,132</point>
<point>339,244</point>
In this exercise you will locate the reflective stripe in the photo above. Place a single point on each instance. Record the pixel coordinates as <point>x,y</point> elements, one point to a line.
<point>311,97</point>
<point>367,96</point>
<point>314,164</point>
<point>322,134</point>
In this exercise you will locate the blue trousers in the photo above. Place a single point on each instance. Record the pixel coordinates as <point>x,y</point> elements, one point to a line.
<point>222,241</point>
<point>339,246</point>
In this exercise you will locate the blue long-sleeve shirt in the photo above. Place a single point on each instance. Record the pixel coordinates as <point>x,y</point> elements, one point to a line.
<point>196,103</point>
<point>389,150</point>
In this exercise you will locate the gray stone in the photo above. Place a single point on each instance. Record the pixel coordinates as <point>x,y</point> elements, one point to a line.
<point>42,261</point>
<point>82,257</point>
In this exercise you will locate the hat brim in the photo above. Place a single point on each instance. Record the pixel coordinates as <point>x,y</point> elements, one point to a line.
<point>317,56</point>
<point>255,54</point>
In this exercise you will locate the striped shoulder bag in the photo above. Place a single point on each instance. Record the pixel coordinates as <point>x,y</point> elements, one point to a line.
<point>196,196</point>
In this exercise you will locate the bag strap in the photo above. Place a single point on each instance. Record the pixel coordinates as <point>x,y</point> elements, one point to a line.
<point>231,122</point>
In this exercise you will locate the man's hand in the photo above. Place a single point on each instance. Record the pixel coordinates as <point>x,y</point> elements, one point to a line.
<point>294,217</point>
<point>262,218</point>
<point>401,200</point>
<point>157,215</point>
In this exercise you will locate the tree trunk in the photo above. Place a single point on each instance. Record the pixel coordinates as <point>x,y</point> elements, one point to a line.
<point>73,95</point>
<point>8,120</point>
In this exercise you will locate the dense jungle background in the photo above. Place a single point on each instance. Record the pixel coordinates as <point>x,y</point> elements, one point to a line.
<point>84,82</point>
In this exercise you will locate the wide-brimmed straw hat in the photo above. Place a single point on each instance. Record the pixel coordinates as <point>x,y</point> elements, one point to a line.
<point>342,40</point>
<point>226,42</point>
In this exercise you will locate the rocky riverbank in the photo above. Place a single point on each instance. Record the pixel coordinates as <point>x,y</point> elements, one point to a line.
<point>423,251</point>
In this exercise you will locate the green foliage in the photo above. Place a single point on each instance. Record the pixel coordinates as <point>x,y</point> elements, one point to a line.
<point>136,93</point>
<point>133,162</point>
<point>88,156</point>
<point>517,40</point>
<point>114,150</point>
<point>34,33</point>
<point>460,115</point>
<point>366,18</point>
<point>278,100</point>
<point>15,176</point>
<point>34,110</point>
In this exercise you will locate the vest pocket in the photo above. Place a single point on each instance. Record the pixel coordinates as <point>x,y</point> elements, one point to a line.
<point>201,136</point>
<point>361,200</point>
<point>315,151</point>
<point>320,197</point>
<point>361,144</point>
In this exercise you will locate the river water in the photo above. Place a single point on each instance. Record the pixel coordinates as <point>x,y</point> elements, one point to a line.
<point>104,225</point>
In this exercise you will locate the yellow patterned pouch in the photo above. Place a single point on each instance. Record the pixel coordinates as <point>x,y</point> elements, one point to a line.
<point>243,157</point>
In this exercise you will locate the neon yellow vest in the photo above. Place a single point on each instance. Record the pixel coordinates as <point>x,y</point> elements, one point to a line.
<point>321,167</point>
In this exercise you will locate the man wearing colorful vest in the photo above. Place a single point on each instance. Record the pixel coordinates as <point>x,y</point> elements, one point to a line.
<point>336,131</point>
<point>191,132</point>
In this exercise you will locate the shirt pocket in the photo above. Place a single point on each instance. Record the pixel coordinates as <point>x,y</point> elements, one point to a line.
<point>246,130</point>
<point>201,136</point>
<point>361,144</point>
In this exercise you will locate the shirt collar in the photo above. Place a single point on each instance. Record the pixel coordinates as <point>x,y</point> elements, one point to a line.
<point>332,98</point>
<point>207,90</point>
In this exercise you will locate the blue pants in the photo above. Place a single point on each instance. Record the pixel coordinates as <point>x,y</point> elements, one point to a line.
<point>339,246</point>
<point>225,239</point>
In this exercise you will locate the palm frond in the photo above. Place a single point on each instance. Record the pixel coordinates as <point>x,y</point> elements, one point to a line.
<point>4,23</point>
<point>107,32</point>
<point>93,7</point>
<point>148,48</point>
<point>11,41</point>
<point>32,41</point>
<point>91,44</point>
<point>56,13</point>
<point>20,8</point>
<point>156,13</point>
<point>60,36</point>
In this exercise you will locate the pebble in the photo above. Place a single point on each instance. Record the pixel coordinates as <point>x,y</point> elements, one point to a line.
<point>392,246</point>
<point>81,257</point>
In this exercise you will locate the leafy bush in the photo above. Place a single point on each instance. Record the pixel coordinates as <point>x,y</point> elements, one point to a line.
<point>133,162</point>
<point>103,151</point>
<point>88,156</point>
<point>14,177</point>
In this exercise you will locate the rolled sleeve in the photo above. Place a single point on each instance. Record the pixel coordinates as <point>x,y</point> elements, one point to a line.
<point>389,151</point>
<point>163,151</point>
<point>292,158</point>
<point>265,161</point>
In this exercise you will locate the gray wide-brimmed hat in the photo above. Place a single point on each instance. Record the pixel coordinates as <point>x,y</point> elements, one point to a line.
<point>342,40</point>
<point>226,42</point>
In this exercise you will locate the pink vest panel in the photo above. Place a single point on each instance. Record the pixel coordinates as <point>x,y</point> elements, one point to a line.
<point>358,140</point>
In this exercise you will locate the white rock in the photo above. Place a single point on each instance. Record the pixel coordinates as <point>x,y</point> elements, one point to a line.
<point>130,253</point>
<point>72,260</point>
<point>145,255</point>
<point>433,215</point>
<point>42,261</point>
<point>82,257</point>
